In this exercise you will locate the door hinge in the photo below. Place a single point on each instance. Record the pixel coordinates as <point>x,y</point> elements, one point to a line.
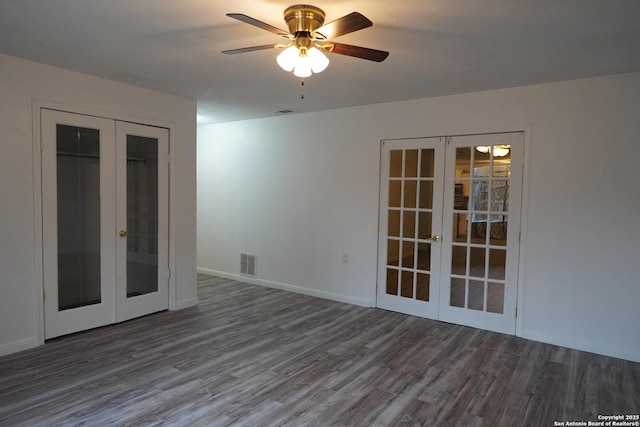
<point>44,296</point>
<point>41,145</point>
<point>516,312</point>
<point>448,139</point>
<point>168,273</point>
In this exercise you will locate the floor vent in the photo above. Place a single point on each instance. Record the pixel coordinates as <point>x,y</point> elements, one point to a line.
<point>248,265</point>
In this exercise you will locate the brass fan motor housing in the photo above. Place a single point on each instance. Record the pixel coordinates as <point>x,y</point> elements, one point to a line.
<point>303,18</point>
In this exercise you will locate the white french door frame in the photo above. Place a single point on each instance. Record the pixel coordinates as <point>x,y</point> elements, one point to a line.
<point>526,130</point>
<point>38,289</point>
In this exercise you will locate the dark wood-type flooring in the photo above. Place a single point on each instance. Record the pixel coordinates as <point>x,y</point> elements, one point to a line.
<point>254,356</point>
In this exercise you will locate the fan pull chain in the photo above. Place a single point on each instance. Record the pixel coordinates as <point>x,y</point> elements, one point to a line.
<point>302,89</point>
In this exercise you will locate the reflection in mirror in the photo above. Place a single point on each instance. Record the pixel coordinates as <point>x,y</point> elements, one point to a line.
<point>422,287</point>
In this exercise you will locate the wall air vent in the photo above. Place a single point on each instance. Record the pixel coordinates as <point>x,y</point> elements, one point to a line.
<point>248,265</point>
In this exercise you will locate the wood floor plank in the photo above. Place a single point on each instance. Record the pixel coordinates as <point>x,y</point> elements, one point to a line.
<point>254,356</point>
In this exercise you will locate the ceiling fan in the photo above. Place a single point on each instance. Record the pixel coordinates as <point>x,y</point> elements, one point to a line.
<point>308,38</point>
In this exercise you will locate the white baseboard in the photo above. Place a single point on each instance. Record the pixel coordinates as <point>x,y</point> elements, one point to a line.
<point>185,303</point>
<point>362,302</point>
<point>626,353</point>
<point>16,346</point>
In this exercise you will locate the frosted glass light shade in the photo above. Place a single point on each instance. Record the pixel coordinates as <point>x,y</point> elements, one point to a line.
<point>287,58</point>
<point>302,65</point>
<point>319,60</point>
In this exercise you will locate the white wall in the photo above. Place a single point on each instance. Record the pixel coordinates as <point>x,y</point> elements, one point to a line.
<point>21,84</point>
<point>299,191</point>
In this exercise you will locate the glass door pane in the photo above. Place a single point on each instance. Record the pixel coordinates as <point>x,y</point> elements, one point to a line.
<point>78,221</point>
<point>142,215</point>
<point>479,208</point>
<point>142,250</point>
<point>78,188</point>
<point>410,212</point>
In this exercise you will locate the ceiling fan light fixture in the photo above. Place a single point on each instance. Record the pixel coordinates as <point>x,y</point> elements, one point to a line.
<point>303,67</point>
<point>287,58</point>
<point>319,60</point>
<point>303,62</point>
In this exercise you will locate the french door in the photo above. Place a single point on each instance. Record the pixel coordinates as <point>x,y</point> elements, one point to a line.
<point>449,228</point>
<point>105,221</point>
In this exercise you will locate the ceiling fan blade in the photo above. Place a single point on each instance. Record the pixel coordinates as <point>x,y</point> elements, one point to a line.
<point>347,24</point>
<point>251,49</point>
<point>357,51</point>
<point>252,21</point>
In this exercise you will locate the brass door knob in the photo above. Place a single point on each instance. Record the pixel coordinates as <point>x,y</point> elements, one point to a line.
<point>123,233</point>
<point>435,237</point>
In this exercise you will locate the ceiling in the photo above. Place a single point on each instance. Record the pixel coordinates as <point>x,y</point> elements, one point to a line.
<point>436,48</point>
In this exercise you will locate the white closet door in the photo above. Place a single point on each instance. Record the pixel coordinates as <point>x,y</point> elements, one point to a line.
<point>142,181</point>
<point>105,199</point>
<point>78,203</point>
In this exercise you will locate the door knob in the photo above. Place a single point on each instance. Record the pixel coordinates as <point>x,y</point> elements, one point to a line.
<point>123,233</point>
<point>435,237</point>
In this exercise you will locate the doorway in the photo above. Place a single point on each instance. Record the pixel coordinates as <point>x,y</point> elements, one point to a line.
<point>449,228</point>
<point>105,220</point>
